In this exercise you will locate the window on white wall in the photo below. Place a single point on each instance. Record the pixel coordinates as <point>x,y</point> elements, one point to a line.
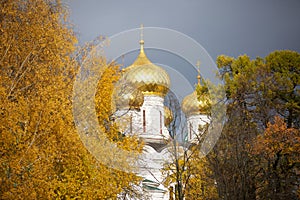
<point>160,122</point>
<point>144,121</point>
<point>130,123</point>
<point>191,130</point>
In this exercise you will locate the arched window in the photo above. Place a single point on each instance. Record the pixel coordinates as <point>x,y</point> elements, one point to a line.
<point>160,122</point>
<point>130,123</point>
<point>191,130</point>
<point>144,121</point>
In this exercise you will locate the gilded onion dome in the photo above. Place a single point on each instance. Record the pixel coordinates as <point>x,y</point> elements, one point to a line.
<point>146,76</point>
<point>168,116</point>
<point>126,96</point>
<point>192,106</point>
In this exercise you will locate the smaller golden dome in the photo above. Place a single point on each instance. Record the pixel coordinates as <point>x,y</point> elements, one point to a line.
<point>192,106</point>
<point>126,96</point>
<point>168,116</point>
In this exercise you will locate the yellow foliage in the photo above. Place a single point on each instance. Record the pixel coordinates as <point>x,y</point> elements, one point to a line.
<point>193,173</point>
<point>105,108</point>
<point>41,155</point>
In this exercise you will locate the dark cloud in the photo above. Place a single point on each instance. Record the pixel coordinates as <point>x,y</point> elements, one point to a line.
<point>231,27</point>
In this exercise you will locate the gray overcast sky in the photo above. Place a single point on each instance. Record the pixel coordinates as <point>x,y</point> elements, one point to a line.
<point>231,27</point>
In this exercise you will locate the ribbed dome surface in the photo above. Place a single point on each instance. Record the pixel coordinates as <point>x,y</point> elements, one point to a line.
<point>146,76</point>
<point>192,106</point>
<point>149,78</point>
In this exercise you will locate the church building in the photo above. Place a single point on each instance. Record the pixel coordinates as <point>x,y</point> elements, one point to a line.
<point>140,111</point>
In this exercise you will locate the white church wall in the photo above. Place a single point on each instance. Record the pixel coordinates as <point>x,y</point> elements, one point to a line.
<point>193,123</point>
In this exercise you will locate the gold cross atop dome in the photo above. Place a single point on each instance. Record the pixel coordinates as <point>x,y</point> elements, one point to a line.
<point>142,28</point>
<point>142,58</point>
<point>142,38</point>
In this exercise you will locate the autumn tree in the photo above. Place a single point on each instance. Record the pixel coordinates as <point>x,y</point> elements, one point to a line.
<point>280,85</point>
<point>256,91</point>
<point>187,171</point>
<point>174,170</point>
<point>36,75</point>
<point>128,182</point>
<point>189,175</point>
<point>201,184</point>
<point>105,107</point>
<point>41,155</point>
<point>109,182</point>
<point>277,151</point>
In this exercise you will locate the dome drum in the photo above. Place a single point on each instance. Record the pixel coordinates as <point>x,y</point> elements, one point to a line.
<point>154,89</point>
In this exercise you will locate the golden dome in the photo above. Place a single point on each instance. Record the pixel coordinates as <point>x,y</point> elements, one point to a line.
<point>168,116</point>
<point>146,76</point>
<point>126,96</point>
<point>192,106</point>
